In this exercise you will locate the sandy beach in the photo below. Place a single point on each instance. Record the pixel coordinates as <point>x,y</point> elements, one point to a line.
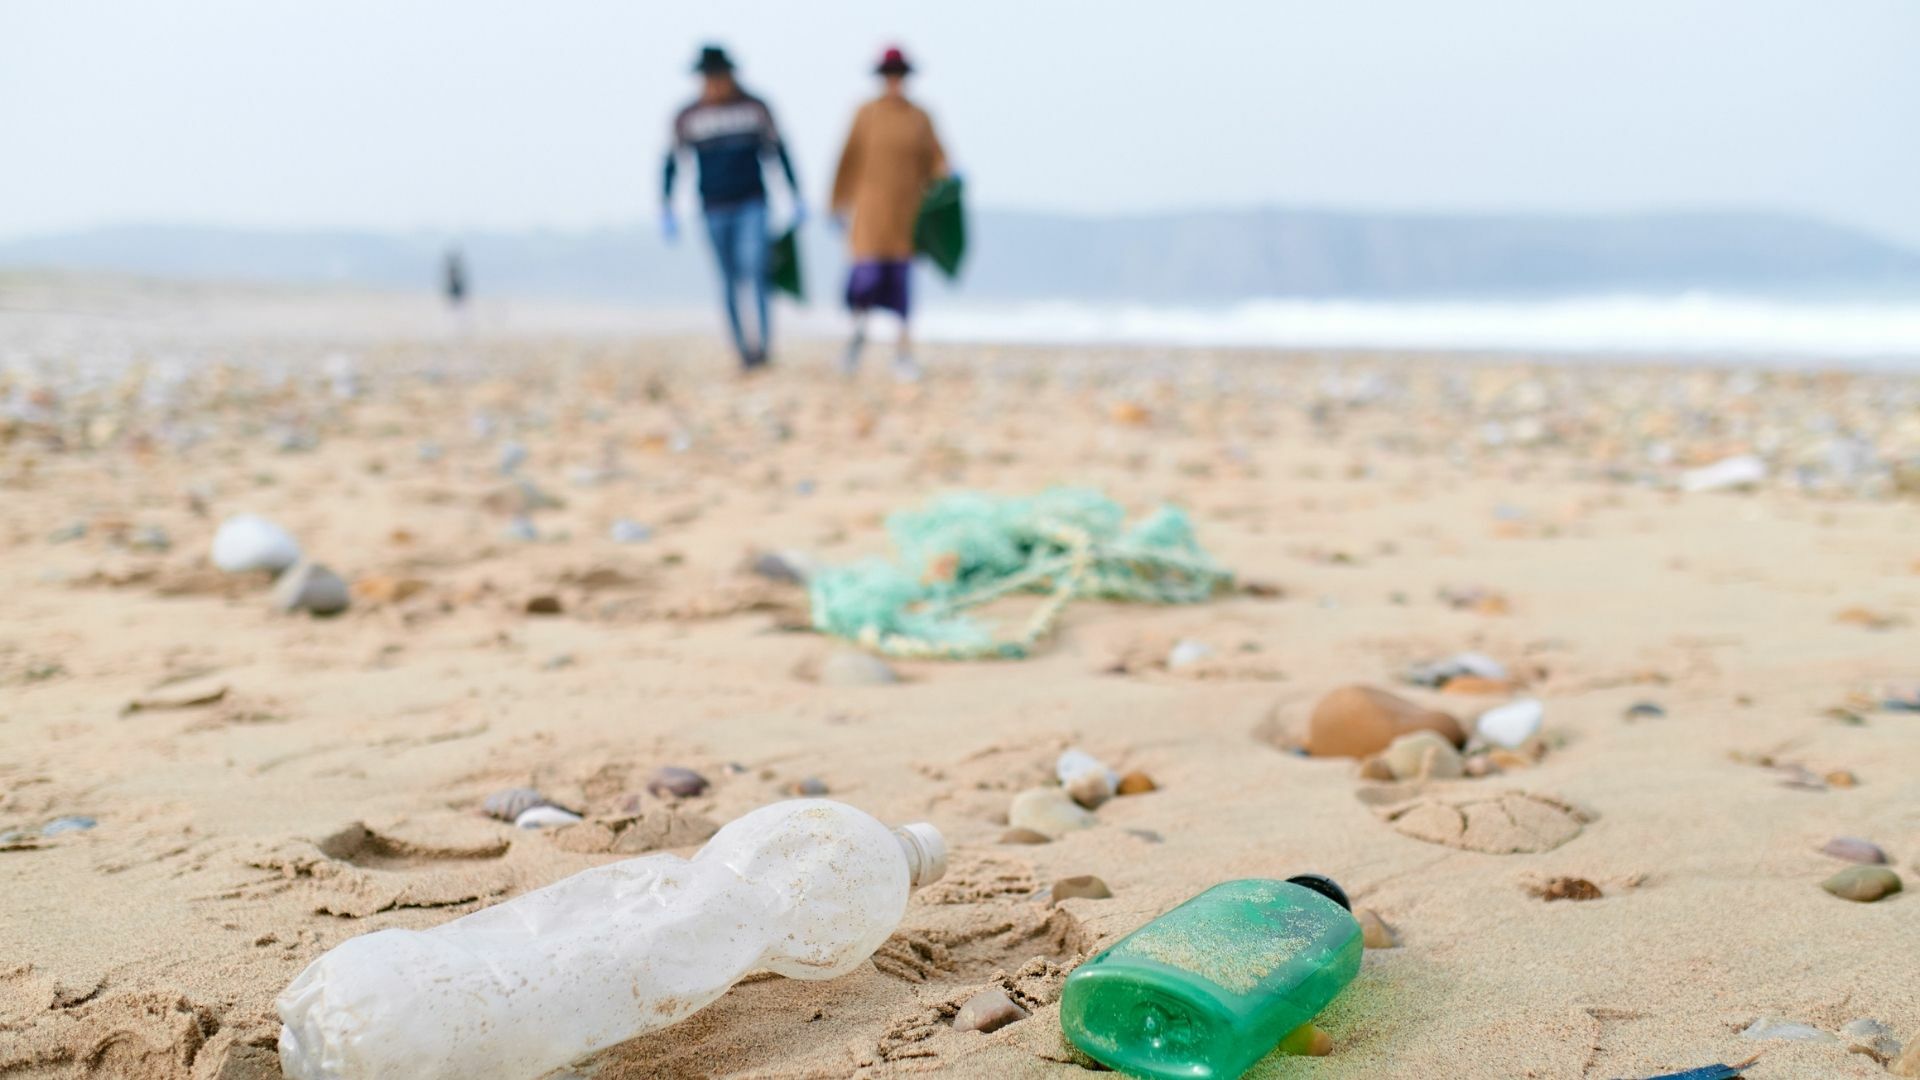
<point>264,786</point>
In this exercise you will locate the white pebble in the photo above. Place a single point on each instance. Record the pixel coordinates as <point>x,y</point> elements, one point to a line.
<point>545,817</point>
<point>1512,724</point>
<point>247,542</point>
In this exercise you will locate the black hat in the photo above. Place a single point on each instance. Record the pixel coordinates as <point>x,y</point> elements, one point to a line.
<point>713,61</point>
<point>893,62</point>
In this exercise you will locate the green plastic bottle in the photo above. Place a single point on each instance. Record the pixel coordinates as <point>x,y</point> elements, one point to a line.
<point>1212,986</point>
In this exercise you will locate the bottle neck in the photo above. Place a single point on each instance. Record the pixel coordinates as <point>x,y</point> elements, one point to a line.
<point>925,850</point>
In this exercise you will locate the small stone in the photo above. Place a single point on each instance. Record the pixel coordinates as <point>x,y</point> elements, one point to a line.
<point>1872,1038</point>
<point>545,817</point>
<point>786,567</point>
<point>988,1011</point>
<point>544,605</point>
<point>1459,665</point>
<point>1645,710</point>
<point>1854,849</point>
<point>1772,1027</point>
<point>1187,652</point>
<point>1048,811</point>
<point>1024,836</point>
<point>674,781</point>
<point>1307,1041</point>
<point>810,788</point>
<point>1423,755</point>
<point>1359,721</point>
<point>1512,724</point>
<point>248,542</point>
<point>1567,888</point>
<point>1842,778</point>
<point>1091,790</point>
<point>1374,931</point>
<point>628,531</point>
<point>1136,783</point>
<point>1148,835</point>
<point>1479,765</point>
<point>1863,884</point>
<point>1508,760</point>
<point>1081,887</point>
<point>509,804</point>
<point>71,823</point>
<point>522,529</point>
<point>1738,473</point>
<point>851,667</point>
<point>312,588</point>
<point>1086,778</point>
<point>1475,685</point>
<point>150,538</point>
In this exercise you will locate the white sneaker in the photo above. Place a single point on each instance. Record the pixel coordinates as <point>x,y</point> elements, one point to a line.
<point>905,370</point>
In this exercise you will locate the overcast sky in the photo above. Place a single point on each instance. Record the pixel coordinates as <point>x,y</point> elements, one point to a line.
<point>453,114</point>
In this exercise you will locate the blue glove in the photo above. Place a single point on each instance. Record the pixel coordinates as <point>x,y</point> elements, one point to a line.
<point>669,226</point>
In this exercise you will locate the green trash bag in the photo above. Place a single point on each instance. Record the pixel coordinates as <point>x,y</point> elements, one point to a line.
<point>940,230</point>
<point>783,265</point>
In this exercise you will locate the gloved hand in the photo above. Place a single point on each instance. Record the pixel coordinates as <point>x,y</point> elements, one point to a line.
<point>669,226</point>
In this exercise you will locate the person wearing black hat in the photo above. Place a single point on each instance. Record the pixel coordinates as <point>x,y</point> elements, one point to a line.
<point>729,133</point>
<point>891,156</point>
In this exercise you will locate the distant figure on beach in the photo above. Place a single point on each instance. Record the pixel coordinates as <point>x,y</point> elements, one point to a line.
<point>891,156</point>
<point>729,132</point>
<point>453,276</point>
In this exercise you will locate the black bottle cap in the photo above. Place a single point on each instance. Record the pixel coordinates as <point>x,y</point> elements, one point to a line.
<point>1325,886</point>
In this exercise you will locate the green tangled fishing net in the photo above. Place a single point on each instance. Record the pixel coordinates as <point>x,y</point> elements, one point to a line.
<point>966,549</point>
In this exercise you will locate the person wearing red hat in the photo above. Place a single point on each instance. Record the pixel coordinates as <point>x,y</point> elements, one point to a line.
<point>891,156</point>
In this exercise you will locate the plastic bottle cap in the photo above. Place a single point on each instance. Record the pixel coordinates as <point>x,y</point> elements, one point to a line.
<point>926,852</point>
<point>1325,886</point>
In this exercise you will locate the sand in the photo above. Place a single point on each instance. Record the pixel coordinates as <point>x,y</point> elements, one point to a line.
<point>292,782</point>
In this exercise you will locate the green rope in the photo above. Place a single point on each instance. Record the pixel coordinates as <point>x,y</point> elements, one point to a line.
<point>968,549</point>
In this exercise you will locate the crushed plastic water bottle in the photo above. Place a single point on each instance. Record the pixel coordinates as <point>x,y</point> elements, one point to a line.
<point>807,888</point>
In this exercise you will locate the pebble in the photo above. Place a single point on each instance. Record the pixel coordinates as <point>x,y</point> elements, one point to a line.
<point>1048,811</point>
<point>248,542</point>
<point>1863,884</point>
<point>987,1011</point>
<point>1081,887</point>
<point>786,567</point>
<point>544,605</point>
<point>674,781</point>
<point>312,588</point>
<point>521,528</point>
<point>1770,1027</point>
<point>1872,1038</point>
<point>71,823</point>
<point>1568,888</point>
<point>810,788</point>
<point>851,667</point>
<point>1024,836</point>
<point>1728,474</point>
<point>1854,849</point>
<point>1374,931</point>
<point>510,803</point>
<point>1512,724</point>
<point>629,531</point>
<point>1422,755</point>
<point>1136,783</point>
<point>1645,710</point>
<point>1475,685</point>
<point>150,538</point>
<point>1439,672</point>
<point>1359,721</point>
<point>1086,778</point>
<point>545,817</point>
<point>1375,768</point>
<point>1187,652</point>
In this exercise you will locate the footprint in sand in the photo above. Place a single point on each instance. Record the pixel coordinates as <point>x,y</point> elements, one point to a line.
<point>358,871</point>
<point>1498,823</point>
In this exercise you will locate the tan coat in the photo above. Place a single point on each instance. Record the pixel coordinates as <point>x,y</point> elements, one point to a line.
<point>891,156</point>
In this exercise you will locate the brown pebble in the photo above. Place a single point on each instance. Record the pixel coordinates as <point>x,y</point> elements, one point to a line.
<point>1082,887</point>
<point>1508,760</point>
<point>1090,789</point>
<point>1842,778</point>
<point>1854,849</point>
<point>1024,836</point>
<point>1374,931</point>
<point>1477,685</point>
<point>1376,768</point>
<point>1357,721</point>
<point>544,605</point>
<point>1479,765</point>
<point>674,781</point>
<point>1863,884</point>
<point>1567,888</point>
<point>1307,1041</point>
<point>988,1011</point>
<point>1136,783</point>
<point>811,788</point>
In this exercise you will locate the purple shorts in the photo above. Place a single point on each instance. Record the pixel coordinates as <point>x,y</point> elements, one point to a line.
<point>878,284</point>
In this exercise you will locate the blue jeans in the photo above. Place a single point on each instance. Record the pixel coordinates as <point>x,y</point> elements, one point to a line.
<point>739,235</point>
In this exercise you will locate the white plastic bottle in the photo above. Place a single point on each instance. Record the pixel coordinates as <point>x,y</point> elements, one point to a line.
<point>807,888</point>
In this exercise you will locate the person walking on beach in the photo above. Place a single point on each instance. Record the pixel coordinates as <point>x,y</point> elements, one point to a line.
<point>729,133</point>
<point>891,156</point>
